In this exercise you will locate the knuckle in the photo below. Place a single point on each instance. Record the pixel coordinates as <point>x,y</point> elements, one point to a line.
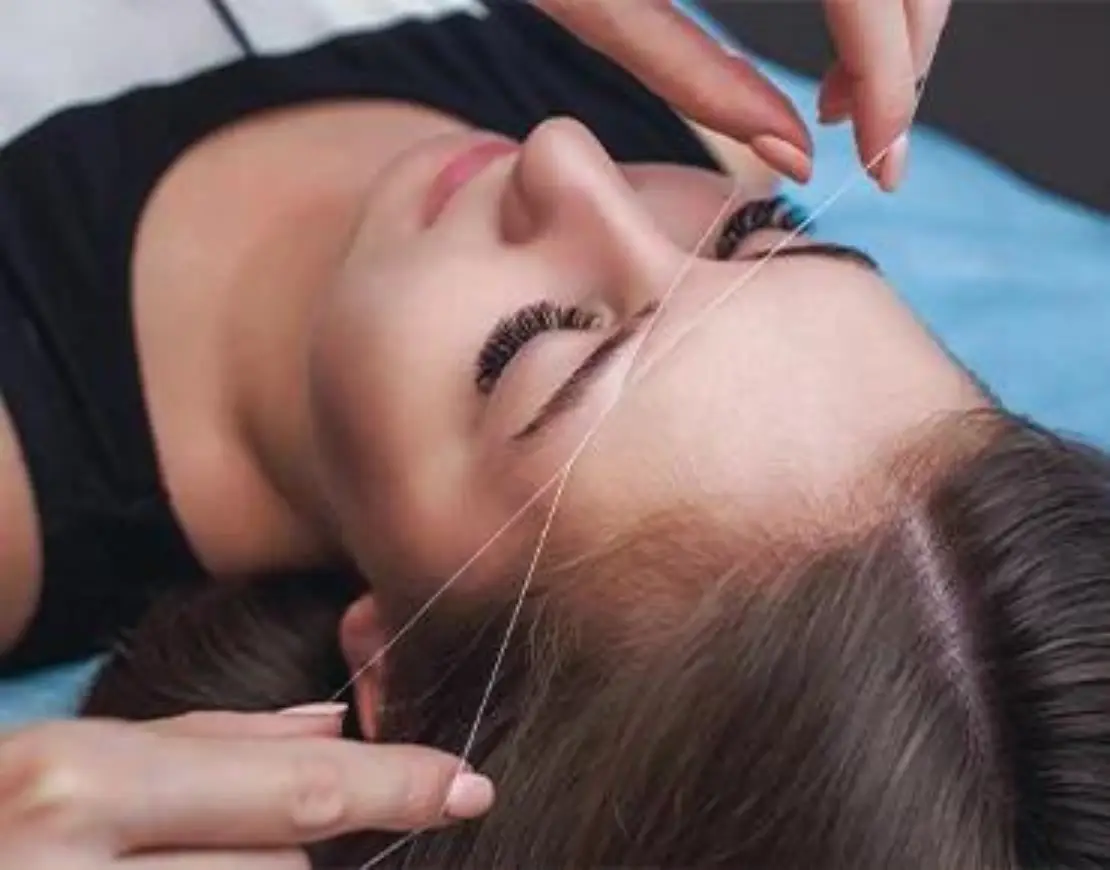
<point>45,778</point>
<point>317,800</point>
<point>30,757</point>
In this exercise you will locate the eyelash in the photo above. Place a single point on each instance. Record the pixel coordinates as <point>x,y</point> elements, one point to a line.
<point>511,335</point>
<point>777,213</point>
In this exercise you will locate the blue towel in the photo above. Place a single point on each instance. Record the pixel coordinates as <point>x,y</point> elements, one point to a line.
<point>1014,280</point>
<point>47,694</point>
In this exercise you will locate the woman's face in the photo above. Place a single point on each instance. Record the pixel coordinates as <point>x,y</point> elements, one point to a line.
<point>435,437</point>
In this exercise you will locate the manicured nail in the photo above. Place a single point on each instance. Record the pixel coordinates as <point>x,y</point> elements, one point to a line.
<point>834,113</point>
<point>832,110</point>
<point>894,164</point>
<point>470,796</point>
<point>783,156</point>
<point>335,710</point>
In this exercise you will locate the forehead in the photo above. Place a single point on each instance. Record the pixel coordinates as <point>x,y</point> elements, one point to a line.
<point>794,383</point>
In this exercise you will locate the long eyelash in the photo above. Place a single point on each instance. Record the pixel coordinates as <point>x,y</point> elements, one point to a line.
<point>512,333</point>
<point>777,213</point>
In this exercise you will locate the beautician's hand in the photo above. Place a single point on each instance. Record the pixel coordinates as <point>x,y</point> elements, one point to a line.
<point>883,47</point>
<point>211,791</point>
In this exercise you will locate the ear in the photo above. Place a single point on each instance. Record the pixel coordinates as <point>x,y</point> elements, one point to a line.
<point>362,639</point>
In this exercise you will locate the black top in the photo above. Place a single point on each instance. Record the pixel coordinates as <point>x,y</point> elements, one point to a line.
<point>73,185</point>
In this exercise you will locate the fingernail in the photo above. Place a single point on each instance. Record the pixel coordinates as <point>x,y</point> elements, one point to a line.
<point>328,709</point>
<point>470,796</point>
<point>894,164</point>
<point>833,110</point>
<point>835,113</point>
<point>783,156</point>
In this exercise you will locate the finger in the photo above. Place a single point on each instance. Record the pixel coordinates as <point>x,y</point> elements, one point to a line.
<point>834,99</point>
<point>673,57</point>
<point>873,46</point>
<point>317,720</point>
<point>925,23</point>
<point>925,20</point>
<point>270,793</point>
<point>286,859</point>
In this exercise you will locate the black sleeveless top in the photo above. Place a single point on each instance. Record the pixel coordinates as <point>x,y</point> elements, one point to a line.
<point>82,154</point>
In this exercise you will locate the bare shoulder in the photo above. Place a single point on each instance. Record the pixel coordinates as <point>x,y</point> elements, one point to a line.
<point>756,177</point>
<point>20,562</point>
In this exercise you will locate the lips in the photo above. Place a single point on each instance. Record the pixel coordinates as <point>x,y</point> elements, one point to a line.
<point>459,170</point>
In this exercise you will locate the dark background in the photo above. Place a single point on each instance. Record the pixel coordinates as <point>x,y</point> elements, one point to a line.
<point>1026,81</point>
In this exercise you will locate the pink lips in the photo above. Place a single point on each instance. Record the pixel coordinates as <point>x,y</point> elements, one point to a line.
<point>459,170</point>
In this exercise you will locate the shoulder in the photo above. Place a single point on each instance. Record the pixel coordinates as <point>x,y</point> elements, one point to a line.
<point>19,538</point>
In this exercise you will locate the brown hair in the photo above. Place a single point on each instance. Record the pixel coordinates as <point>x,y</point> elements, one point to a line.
<point>931,692</point>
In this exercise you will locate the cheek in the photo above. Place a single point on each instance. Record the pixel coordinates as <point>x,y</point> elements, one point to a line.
<point>456,531</point>
<point>685,203</point>
<point>410,478</point>
<point>385,393</point>
<point>405,342</point>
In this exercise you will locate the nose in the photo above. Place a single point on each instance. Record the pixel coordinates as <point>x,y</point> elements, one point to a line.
<point>567,194</point>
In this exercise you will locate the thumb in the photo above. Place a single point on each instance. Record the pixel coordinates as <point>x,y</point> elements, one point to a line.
<point>676,59</point>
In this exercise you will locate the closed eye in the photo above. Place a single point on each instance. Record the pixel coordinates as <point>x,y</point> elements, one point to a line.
<point>573,392</point>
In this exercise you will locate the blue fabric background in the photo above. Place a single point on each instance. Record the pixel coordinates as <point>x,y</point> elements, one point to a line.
<point>1015,281</point>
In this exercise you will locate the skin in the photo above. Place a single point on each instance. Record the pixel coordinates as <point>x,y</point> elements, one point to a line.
<point>308,348</point>
<point>792,386</point>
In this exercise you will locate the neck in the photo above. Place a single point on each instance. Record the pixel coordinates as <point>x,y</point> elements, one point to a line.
<point>305,236</point>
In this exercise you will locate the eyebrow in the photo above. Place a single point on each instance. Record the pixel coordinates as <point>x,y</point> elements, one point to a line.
<point>826,250</point>
<point>572,392</point>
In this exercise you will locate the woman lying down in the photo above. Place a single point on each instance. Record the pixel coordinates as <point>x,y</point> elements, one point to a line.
<point>810,597</point>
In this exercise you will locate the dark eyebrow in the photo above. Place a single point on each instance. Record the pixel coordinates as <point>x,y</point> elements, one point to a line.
<point>573,390</point>
<point>827,250</point>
